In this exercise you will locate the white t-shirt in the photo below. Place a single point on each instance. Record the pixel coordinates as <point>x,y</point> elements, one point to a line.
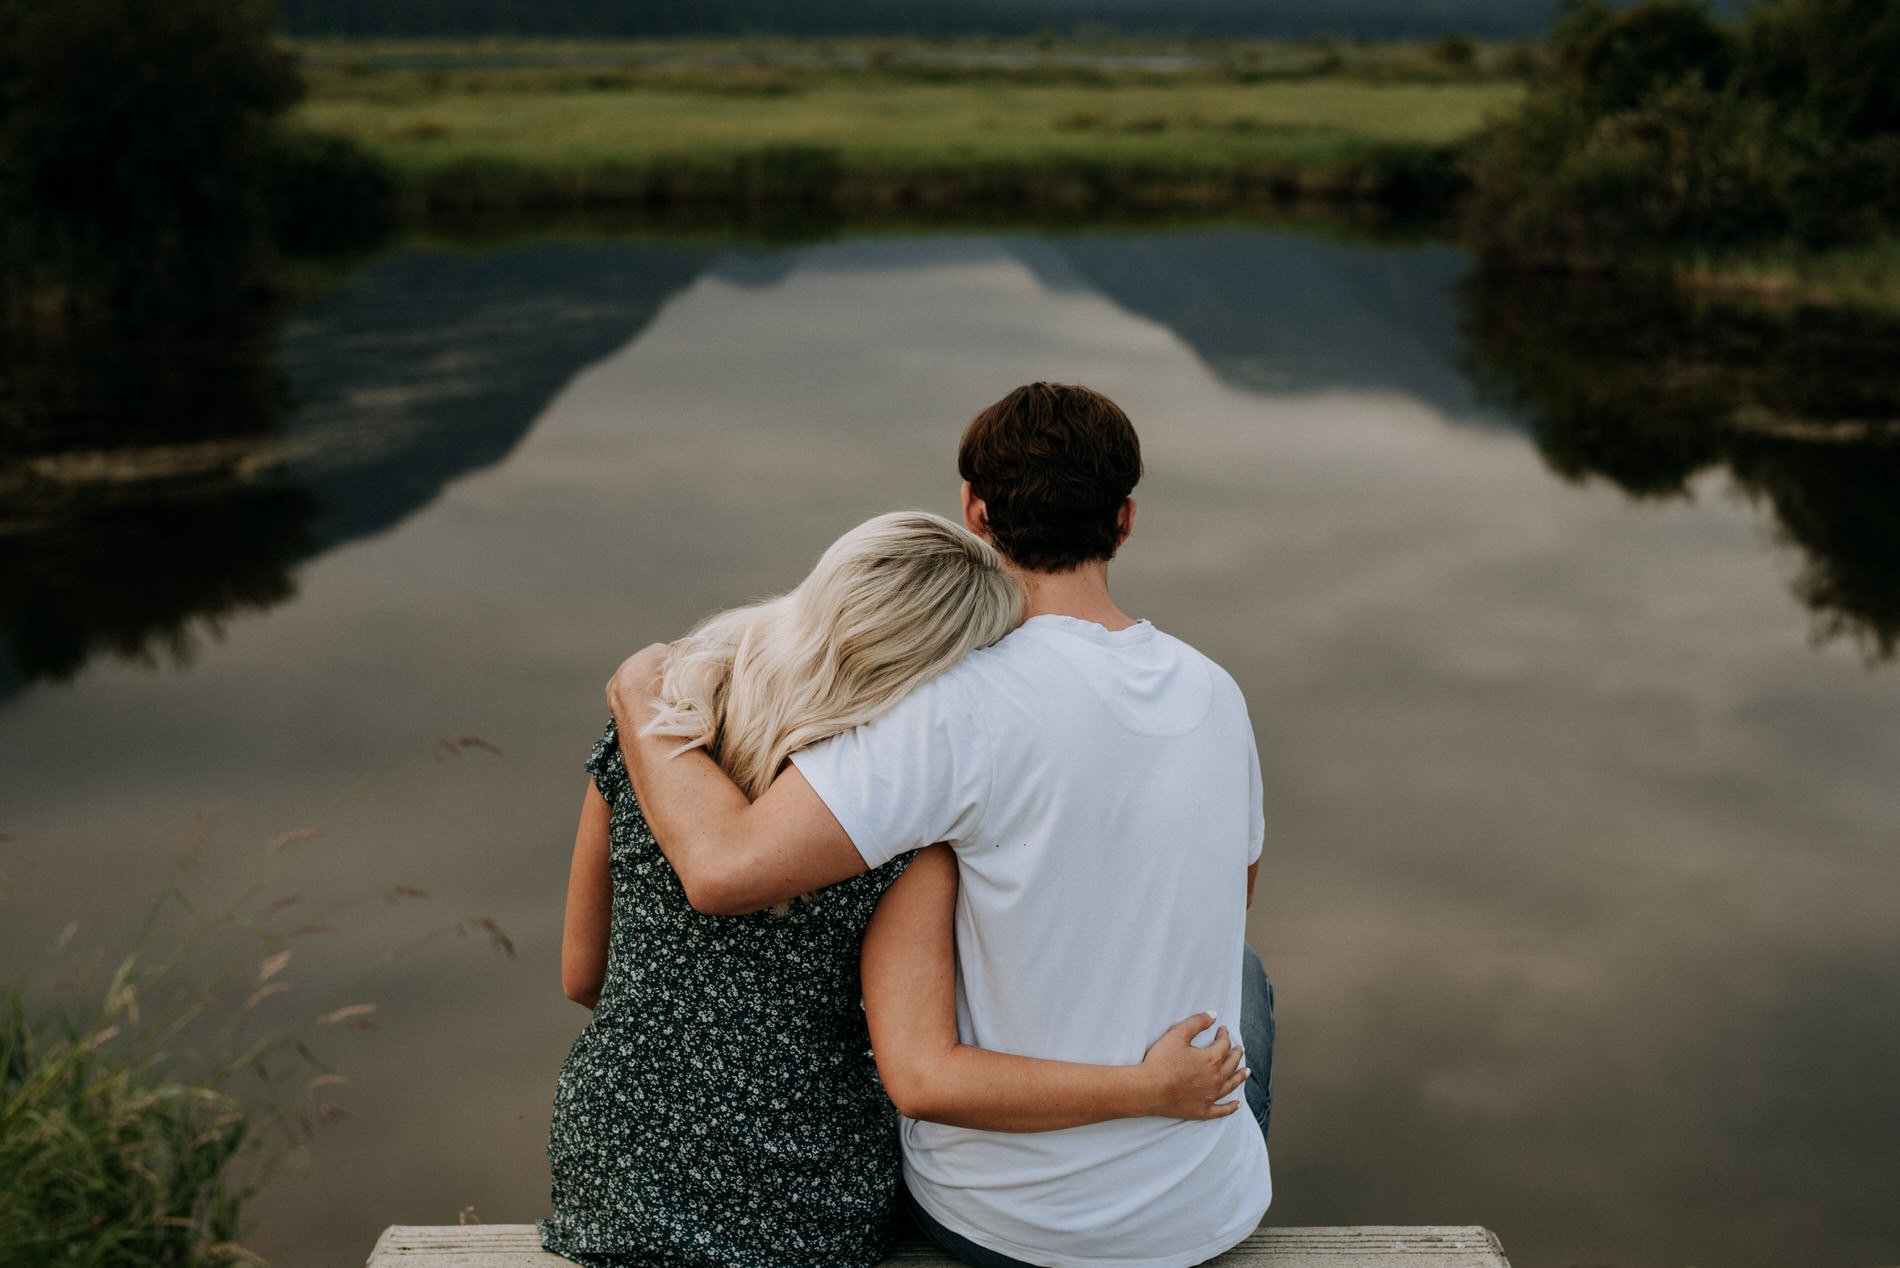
<point>1102,791</point>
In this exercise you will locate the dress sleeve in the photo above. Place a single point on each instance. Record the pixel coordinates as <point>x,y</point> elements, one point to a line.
<point>608,767</point>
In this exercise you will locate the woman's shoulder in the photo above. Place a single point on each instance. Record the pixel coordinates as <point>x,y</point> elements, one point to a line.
<point>884,875</point>
<point>608,767</point>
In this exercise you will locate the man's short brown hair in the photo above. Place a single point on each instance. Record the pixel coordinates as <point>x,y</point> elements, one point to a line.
<point>1053,463</point>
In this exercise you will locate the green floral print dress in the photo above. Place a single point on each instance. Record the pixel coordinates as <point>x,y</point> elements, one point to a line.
<point>721,1110</point>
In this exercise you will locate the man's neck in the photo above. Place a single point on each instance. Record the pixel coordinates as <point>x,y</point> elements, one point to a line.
<point>1080,592</point>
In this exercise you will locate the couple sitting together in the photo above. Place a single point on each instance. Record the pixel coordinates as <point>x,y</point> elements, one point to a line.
<point>942,830</point>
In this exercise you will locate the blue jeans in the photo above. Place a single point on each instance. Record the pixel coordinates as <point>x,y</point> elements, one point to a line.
<point>1256,1036</point>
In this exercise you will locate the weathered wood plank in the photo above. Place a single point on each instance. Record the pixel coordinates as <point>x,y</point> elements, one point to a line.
<point>1467,1246</point>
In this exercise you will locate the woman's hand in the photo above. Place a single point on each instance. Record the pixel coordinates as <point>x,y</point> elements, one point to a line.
<point>1187,1082</point>
<point>631,690</point>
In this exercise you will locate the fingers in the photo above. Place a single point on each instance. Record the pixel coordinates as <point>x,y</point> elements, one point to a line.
<point>1184,1030</point>
<point>650,655</point>
<point>1219,1048</point>
<point>638,671</point>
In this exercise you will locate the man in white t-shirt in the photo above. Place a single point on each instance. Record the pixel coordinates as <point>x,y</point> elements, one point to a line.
<point>1099,783</point>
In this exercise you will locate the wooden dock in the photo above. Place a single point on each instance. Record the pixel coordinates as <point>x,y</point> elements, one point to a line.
<point>1468,1246</point>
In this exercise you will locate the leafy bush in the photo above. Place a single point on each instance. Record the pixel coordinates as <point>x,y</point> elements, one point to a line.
<point>1415,179</point>
<point>1833,60</point>
<point>1657,129</point>
<point>1646,49</point>
<point>324,194</point>
<point>1457,51</point>
<point>133,134</point>
<point>1689,166</point>
<point>138,146</point>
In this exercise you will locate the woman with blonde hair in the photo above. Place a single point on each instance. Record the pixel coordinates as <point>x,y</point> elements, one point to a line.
<point>722,1108</point>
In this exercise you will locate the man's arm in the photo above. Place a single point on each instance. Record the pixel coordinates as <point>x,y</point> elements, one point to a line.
<point>733,856</point>
<point>909,976</point>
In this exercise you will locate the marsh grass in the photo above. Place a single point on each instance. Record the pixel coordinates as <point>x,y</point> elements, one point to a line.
<point>142,1106</point>
<point>106,1160</point>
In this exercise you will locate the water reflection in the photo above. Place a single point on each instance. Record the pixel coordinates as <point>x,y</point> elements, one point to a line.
<point>434,364</point>
<point>1646,388</point>
<point>1580,862</point>
<point>139,498</point>
<point>153,485</point>
<point>1279,313</point>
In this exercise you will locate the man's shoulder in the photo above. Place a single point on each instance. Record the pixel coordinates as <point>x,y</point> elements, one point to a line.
<point>1021,669</point>
<point>948,700</point>
<point>1011,657</point>
<point>954,704</point>
<point>1223,681</point>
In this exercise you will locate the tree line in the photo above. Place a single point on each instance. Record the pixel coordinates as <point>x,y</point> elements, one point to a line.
<point>1659,127</point>
<point>659,18</point>
<point>144,159</point>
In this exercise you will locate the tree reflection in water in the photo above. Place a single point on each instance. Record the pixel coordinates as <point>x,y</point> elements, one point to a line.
<point>148,481</point>
<point>151,486</point>
<point>139,500</point>
<point>1646,387</point>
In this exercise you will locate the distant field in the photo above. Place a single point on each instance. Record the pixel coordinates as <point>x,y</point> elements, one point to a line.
<point>906,124</point>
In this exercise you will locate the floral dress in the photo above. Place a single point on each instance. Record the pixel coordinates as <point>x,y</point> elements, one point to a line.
<point>721,1110</point>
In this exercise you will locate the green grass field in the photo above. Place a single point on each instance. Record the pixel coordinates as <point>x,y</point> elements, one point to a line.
<point>634,125</point>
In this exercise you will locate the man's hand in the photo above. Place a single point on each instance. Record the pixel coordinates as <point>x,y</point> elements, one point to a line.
<point>1183,1081</point>
<point>631,691</point>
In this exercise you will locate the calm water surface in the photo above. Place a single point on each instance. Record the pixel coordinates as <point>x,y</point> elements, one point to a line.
<point>1580,887</point>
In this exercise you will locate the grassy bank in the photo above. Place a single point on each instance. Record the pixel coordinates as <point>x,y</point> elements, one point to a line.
<point>870,131</point>
<point>1857,277</point>
<point>107,1159</point>
<point>1757,158</point>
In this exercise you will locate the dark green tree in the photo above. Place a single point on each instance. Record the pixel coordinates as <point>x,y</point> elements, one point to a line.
<point>1646,49</point>
<point>1659,128</point>
<point>1836,60</point>
<point>142,152</point>
<point>1833,68</point>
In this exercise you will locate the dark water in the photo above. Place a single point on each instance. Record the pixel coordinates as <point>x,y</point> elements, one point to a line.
<point>1566,617</point>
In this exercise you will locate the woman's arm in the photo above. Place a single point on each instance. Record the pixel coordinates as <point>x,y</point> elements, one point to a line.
<point>732,855</point>
<point>589,905</point>
<point>909,972</point>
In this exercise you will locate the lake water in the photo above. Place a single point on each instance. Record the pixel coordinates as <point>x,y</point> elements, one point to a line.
<point>1565,619</point>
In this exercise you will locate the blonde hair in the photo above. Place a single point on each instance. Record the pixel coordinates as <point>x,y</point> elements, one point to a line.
<point>892,604</point>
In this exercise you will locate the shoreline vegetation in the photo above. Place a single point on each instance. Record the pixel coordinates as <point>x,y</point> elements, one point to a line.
<point>145,1103</point>
<point>1746,162</point>
<point>924,131</point>
<point>1757,159</point>
<point>791,137</point>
